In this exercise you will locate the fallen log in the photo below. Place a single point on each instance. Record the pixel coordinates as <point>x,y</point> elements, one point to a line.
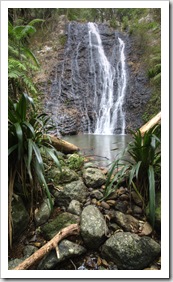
<point>62,145</point>
<point>72,229</point>
<point>155,120</point>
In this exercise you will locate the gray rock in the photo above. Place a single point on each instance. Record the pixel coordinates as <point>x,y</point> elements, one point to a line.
<point>20,217</point>
<point>75,190</point>
<point>93,227</point>
<point>121,206</point>
<point>130,251</point>
<point>96,194</point>
<point>49,230</point>
<point>126,221</point>
<point>93,177</point>
<point>29,250</point>
<point>65,176</point>
<point>67,250</point>
<point>75,207</point>
<point>136,209</point>
<point>136,198</point>
<point>14,262</point>
<point>43,213</point>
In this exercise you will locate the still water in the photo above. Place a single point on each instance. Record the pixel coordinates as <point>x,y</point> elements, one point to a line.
<point>100,147</point>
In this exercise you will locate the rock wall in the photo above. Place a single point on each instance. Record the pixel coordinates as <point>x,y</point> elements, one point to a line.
<point>70,85</point>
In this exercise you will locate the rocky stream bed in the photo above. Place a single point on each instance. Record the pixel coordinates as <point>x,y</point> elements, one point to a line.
<point>115,233</point>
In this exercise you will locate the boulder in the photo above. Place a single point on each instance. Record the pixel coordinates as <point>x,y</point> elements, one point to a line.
<point>50,229</point>
<point>67,250</point>
<point>76,190</point>
<point>93,227</point>
<point>93,177</point>
<point>42,214</point>
<point>130,251</point>
<point>20,217</point>
<point>65,176</point>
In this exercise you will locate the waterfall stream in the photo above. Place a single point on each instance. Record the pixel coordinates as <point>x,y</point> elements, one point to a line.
<point>109,113</point>
<point>89,83</point>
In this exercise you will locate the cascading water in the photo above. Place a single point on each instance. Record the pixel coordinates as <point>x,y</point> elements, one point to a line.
<point>109,112</point>
<point>104,80</point>
<point>89,83</point>
<point>118,112</point>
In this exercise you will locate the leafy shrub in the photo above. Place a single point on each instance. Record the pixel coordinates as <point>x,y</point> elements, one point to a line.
<point>142,169</point>
<point>21,60</point>
<point>28,141</point>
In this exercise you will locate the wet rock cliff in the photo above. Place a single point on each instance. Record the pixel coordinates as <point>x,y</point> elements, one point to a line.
<point>75,85</point>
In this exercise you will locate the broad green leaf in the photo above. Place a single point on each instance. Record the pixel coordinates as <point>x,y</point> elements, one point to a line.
<point>12,148</point>
<point>19,134</point>
<point>30,155</point>
<point>151,194</point>
<point>42,181</point>
<point>30,127</point>
<point>38,155</point>
<point>52,153</point>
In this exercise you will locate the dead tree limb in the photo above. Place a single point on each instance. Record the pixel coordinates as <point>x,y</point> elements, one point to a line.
<point>72,229</point>
<point>62,145</point>
<point>155,120</point>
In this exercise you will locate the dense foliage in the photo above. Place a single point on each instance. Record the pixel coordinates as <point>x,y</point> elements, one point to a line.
<point>140,167</point>
<point>28,142</point>
<point>21,60</point>
<point>27,128</point>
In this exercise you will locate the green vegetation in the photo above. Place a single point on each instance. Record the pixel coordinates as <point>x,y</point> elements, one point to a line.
<point>75,161</point>
<point>27,143</point>
<point>27,130</point>
<point>21,60</point>
<point>29,147</point>
<point>141,171</point>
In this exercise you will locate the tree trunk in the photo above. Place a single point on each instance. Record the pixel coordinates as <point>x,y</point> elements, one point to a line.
<point>155,120</point>
<point>72,229</point>
<point>62,145</point>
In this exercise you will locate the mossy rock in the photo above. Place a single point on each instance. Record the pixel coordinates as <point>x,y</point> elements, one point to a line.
<point>49,230</point>
<point>75,161</point>
<point>65,176</point>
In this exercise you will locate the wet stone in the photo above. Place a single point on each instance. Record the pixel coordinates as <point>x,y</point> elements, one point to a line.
<point>75,207</point>
<point>105,205</point>
<point>93,227</point>
<point>96,194</point>
<point>130,251</point>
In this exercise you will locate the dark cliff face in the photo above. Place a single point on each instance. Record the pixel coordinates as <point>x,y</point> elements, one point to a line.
<point>70,96</point>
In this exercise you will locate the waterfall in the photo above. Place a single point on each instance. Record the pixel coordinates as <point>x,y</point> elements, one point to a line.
<point>108,111</point>
<point>88,87</point>
<point>118,112</point>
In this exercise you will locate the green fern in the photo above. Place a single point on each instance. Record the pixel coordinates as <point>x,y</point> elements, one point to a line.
<point>21,62</point>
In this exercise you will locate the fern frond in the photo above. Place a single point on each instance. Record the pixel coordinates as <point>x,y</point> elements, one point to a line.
<point>31,23</point>
<point>29,84</point>
<point>15,64</point>
<point>23,31</point>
